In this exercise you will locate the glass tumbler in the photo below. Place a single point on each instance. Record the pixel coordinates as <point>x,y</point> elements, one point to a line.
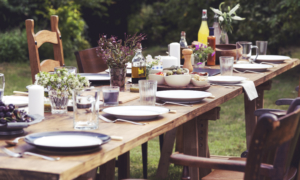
<point>147,90</point>
<point>110,95</point>
<point>2,86</point>
<point>247,50</point>
<point>86,106</point>
<point>262,47</point>
<point>226,65</point>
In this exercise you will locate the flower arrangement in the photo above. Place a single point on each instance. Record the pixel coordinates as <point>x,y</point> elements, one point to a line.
<point>201,53</point>
<point>61,81</point>
<point>226,18</point>
<point>150,63</point>
<point>115,53</point>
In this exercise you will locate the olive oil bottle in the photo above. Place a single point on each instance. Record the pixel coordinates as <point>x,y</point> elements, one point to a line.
<point>138,66</point>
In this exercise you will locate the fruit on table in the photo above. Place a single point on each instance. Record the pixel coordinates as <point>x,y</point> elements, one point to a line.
<point>175,70</point>
<point>10,114</point>
<point>160,73</point>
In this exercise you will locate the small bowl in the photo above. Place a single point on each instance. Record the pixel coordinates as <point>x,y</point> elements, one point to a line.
<point>178,80</point>
<point>202,74</point>
<point>160,79</point>
<point>199,83</point>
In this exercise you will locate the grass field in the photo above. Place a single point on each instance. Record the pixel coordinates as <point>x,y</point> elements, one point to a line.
<point>226,135</point>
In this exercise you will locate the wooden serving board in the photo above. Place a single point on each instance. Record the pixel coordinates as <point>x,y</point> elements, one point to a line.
<point>125,96</point>
<point>188,87</point>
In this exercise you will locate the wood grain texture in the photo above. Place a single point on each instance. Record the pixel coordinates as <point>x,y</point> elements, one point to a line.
<point>71,166</point>
<point>34,41</point>
<point>89,62</point>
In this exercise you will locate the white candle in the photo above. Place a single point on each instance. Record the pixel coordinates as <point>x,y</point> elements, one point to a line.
<point>169,61</point>
<point>175,51</point>
<point>36,100</point>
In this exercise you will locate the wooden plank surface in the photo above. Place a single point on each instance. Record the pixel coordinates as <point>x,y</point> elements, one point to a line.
<point>71,166</point>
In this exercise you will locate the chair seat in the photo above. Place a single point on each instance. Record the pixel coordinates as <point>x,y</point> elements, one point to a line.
<point>224,175</point>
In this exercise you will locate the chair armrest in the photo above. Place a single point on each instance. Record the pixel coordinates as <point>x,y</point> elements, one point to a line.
<point>284,101</point>
<point>277,112</point>
<point>208,163</point>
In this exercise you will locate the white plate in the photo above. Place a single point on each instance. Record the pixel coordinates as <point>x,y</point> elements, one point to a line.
<point>182,95</point>
<point>16,100</point>
<point>128,72</point>
<point>226,79</point>
<point>136,112</point>
<point>270,58</point>
<point>95,76</point>
<point>252,67</point>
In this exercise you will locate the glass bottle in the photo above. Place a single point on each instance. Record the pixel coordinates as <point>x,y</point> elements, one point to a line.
<point>138,66</point>
<point>217,29</point>
<point>203,31</point>
<point>211,60</point>
<point>183,45</point>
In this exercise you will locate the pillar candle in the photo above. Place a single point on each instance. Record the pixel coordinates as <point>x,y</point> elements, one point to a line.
<point>36,100</point>
<point>174,50</point>
<point>169,61</point>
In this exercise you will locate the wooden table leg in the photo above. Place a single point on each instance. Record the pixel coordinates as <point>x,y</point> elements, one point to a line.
<point>107,171</point>
<point>179,139</point>
<point>167,149</point>
<point>145,159</point>
<point>203,151</point>
<point>124,166</point>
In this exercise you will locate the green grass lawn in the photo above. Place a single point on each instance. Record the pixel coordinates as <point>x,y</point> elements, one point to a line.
<point>226,136</point>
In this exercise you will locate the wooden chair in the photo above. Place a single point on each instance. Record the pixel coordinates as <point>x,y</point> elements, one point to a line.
<point>36,40</point>
<point>271,135</point>
<point>89,62</point>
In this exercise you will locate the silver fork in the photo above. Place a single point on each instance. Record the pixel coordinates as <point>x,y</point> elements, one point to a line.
<point>19,155</point>
<point>246,71</point>
<point>122,120</point>
<point>168,102</point>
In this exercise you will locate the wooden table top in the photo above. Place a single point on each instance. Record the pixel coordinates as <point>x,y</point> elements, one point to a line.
<point>71,166</point>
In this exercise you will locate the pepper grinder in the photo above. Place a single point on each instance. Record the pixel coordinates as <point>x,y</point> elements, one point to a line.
<point>187,59</point>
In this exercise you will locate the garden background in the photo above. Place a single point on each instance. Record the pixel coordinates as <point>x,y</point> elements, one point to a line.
<point>81,22</point>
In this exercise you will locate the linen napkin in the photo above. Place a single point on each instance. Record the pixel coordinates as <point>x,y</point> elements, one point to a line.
<point>249,88</point>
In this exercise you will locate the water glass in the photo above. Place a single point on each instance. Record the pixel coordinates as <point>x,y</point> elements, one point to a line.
<point>147,90</point>
<point>262,47</point>
<point>110,95</point>
<point>226,65</point>
<point>71,69</point>
<point>86,106</point>
<point>246,50</point>
<point>2,86</point>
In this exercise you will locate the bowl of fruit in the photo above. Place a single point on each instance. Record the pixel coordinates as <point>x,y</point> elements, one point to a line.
<point>12,120</point>
<point>177,77</point>
<point>159,77</point>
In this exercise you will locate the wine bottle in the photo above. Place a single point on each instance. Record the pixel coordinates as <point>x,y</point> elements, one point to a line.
<point>203,31</point>
<point>183,45</point>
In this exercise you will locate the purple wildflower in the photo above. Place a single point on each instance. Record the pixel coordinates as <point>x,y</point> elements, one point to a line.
<point>201,45</point>
<point>197,47</point>
<point>199,63</point>
<point>212,54</point>
<point>205,46</point>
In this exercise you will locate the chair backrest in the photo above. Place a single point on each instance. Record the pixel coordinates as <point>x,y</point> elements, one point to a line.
<point>280,134</point>
<point>36,40</point>
<point>89,62</point>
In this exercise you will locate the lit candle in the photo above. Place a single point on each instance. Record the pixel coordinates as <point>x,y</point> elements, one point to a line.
<point>36,100</point>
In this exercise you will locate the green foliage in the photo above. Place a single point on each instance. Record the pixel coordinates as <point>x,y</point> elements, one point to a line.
<point>13,46</point>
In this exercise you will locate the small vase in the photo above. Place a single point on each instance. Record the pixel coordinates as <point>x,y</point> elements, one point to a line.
<point>224,37</point>
<point>199,63</point>
<point>117,77</point>
<point>59,101</point>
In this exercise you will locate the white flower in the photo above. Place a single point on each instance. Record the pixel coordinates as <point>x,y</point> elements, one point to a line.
<point>217,11</point>
<point>237,18</point>
<point>221,18</point>
<point>52,79</point>
<point>234,9</point>
<point>58,80</point>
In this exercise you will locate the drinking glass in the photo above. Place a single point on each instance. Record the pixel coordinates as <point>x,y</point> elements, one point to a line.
<point>2,86</point>
<point>86,108</point>
<point>247,50</point>
<point>226,65</point>
<point>110,95</point>
<point>147,89</point>
<point>262,47</point>
<point>71,69</point>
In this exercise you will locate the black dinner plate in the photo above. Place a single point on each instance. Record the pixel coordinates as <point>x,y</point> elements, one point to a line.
<point>30,139</point>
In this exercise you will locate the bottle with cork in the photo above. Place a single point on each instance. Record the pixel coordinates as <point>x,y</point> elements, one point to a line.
<point>203,31</point>
<point>138,66</point>
<point>211,39</point>
<point>183,45</point>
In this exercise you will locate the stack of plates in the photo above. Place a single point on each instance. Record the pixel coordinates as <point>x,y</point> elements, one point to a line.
<point>252,67</point>
<point>67,142</point>
<point>182,96</point>
<point>276,59</point>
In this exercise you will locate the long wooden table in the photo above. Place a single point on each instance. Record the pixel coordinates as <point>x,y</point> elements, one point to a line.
<point>72,166</point>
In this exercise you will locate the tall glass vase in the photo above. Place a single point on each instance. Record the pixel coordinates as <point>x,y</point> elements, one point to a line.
<point>224,37</point>
<point>117,77</point>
